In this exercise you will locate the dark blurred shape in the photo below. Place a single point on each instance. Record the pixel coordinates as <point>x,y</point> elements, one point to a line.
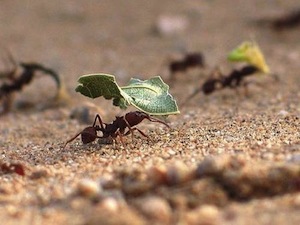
<point>287,21</point>
<point>190,60</point>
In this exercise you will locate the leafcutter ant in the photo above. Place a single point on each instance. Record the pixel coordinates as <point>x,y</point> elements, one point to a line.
<point>233,80</point>
<point>18,76</point>
<point>121,126</point>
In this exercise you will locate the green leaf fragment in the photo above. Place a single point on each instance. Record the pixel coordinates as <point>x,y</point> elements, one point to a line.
<point>97,85</point>
<point>249,52</point>
<point>88,88</point>
<point>150,96</point>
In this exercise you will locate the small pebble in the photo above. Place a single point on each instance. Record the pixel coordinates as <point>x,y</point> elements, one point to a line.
<point>13,211</point>
<point>124,216</point>
<point>110,204</point>
<point>205,214</point>
<point>39,174</point>
<point>207,167</point>
<point>283,113</point>
<point>156,208</point>
<point>88,188</point>
<point>158,174</point>
<point>178,173</point>
<point>295,159</point>
<point>297,200</point>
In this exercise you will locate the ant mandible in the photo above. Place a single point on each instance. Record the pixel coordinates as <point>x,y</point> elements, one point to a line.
<point>115,129</point>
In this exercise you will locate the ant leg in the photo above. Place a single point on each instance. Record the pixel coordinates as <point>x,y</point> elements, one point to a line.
<point>106,140</point>
<point>72,139</point>
<point>7,103</point>
<point>141,132</point>
<point>118,133</point>
<point>100,121</point>
<point>88,136</point>
<point>195,92</point>
<point>246,89</point>
<point>129,127</point>
<point>158,121</point>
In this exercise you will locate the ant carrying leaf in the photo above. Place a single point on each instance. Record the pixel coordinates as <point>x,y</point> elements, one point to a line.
<point>149,96</point>
<point>233,80</point>
<point>21,74</point>
<point>121,126</point>
<point>248,52</point>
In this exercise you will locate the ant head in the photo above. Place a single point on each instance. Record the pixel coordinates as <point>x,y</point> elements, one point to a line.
<point>137,115</point>
<point>141,114</point>
<point>89,134</point>
<point>134,118</point>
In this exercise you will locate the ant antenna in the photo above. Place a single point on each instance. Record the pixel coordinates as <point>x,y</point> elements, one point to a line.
<point>158,121</point>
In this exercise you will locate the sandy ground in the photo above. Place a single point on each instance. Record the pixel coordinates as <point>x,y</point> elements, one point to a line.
<point>228,158</point>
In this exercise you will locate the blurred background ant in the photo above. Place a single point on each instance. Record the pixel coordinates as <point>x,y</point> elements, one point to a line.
<point>235,79</point>
<point>286,21</point>
<point>189,61</point>
<point>248,52</point>
<point>16,75</point>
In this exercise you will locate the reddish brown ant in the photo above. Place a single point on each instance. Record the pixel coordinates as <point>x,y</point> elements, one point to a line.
<point>115,129</point>
<point>26,77</point>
